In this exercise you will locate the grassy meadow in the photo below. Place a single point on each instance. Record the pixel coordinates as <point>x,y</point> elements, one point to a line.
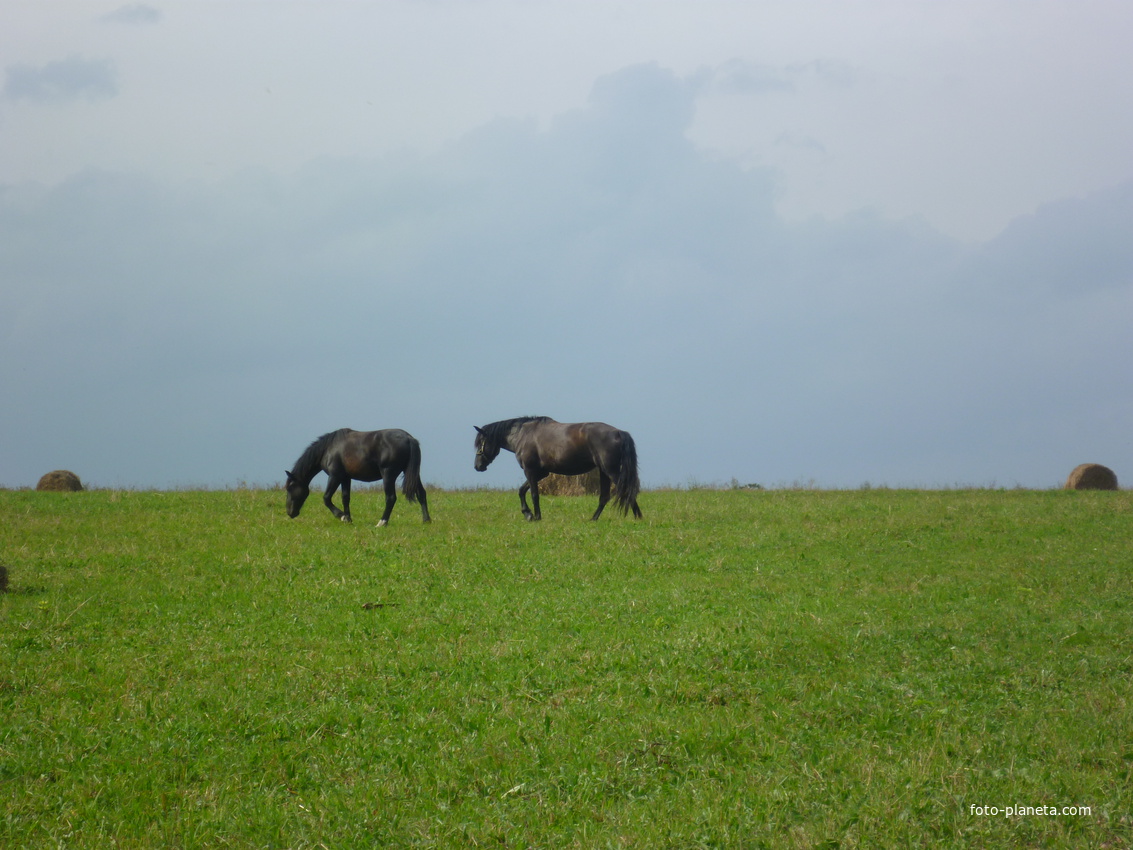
<point>782,668</point>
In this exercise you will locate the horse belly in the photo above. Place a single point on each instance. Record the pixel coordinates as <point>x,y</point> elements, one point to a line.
<point>360,467</point>
<point>576,465</point>
<point>367,474</point>
<point>563,450</point>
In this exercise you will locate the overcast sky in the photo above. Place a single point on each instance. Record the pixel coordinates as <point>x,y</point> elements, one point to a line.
<point>779,242</point>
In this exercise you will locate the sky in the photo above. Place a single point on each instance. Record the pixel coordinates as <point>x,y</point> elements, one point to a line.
<point>887,243</point>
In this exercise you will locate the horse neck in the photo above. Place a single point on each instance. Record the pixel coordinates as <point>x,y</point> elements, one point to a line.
<point>310,463</point>
<point>305,476</point>
<point>514,437</point>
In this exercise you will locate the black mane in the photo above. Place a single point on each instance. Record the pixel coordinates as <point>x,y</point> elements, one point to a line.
<point>497,432</point>
<point>310,463</point>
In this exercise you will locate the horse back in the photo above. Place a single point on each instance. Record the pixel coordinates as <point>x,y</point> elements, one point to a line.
<point>364,454</point>
<point>568,448</point>
<point>602,439</point>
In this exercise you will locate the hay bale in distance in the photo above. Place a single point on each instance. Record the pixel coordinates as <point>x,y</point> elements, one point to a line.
<point>570,485</point>
<point>60,481</point>
<point>1091,476</point>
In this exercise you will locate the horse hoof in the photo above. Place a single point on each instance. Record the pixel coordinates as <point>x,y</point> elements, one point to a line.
<point>346,519</point>
<point>382,522</point>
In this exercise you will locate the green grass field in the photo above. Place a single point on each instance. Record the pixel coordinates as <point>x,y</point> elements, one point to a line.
<point>739,669</point>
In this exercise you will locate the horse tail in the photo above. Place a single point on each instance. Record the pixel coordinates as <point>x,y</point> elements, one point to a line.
<point>627,484</point>
<point>411,485</point>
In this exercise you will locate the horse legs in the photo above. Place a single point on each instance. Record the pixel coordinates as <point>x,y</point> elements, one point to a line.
<point>603,493</point>
<point>389,480</point>
<point>532,484</point>
<point>423,499</point>
<point>535,498</point>
<point>333,484</point>
<point>523,500</point>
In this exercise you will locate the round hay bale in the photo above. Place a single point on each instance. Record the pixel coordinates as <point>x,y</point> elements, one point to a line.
<point>570,485</point>
<point>60,481</point>
<point>1091,476</point>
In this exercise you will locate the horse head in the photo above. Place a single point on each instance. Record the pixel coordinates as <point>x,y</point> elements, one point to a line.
<point>297,493</point>
<point>486,450</point>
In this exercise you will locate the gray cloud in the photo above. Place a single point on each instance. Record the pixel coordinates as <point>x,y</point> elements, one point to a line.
<point>800,142</point>
<point>602,267</point>
<point>133,13</point>
<point>69,79</point>
<point>741,77</point>
<point>1071,246</point>
<point>832,72</point>
<point>746,78</point>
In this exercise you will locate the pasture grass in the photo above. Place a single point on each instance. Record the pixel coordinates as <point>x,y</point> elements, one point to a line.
<point>739,669</point>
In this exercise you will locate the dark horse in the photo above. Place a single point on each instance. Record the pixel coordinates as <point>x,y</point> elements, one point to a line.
<point>543,446</point>
<point>363,456</point>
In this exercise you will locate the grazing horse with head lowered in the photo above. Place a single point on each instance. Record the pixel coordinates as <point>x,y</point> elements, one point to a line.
<point>362,456</point>
<point>543,446</point>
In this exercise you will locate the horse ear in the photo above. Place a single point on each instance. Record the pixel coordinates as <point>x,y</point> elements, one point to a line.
<point>290,477</point>
<point>477,427</point>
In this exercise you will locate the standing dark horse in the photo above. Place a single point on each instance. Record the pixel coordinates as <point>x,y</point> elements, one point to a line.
<point>543,446</point>
<point>362,456</point>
